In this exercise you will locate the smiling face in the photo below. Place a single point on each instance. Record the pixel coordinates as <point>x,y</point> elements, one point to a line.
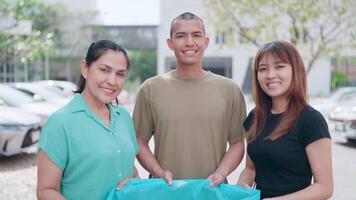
<point>105,77</point>
<point>188,42</point>
<point>274,76</point>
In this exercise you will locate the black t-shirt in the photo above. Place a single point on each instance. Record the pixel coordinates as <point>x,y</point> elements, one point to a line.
<point>282,166</point>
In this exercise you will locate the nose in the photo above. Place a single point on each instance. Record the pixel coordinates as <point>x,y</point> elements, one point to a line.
<point>189,40</point>
<point>112,79</point>
<point>271,73</point>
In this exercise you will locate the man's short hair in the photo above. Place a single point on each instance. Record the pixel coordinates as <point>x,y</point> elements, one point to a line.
<point>186,16</point>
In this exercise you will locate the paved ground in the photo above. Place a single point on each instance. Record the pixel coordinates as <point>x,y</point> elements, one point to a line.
<point>18,173</point>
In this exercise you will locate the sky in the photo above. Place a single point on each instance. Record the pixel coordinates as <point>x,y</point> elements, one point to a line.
<point>129,12</point>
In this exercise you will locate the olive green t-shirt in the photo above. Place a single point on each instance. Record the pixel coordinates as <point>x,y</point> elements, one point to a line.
<point>192,120</point>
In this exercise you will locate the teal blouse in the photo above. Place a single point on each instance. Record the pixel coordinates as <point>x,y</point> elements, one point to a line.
<point>94,158</point>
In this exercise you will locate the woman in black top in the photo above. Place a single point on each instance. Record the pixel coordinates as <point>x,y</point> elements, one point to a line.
<point>288,141</point>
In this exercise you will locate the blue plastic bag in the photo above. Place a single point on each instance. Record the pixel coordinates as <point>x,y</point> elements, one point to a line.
<point>194,189</point>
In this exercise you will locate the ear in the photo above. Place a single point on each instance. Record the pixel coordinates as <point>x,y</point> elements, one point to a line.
<point>206,42</point>
<point>84,68</point>
<point>170,43</point>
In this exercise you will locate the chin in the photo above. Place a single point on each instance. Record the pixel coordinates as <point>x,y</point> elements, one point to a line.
<point>107,99</point>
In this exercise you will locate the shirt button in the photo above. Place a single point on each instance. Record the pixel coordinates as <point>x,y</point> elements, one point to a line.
<point>120,174</point>
<point>118,151</point>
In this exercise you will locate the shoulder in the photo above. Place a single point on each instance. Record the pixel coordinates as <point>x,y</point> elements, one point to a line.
<point>311,126</point>
<point>223,80</point>
<point>158,79</point>
<point>248,120</point>
<point>57,122</point>
<point>310,114</point>
<point>60,115</point>
<point>226,84</point>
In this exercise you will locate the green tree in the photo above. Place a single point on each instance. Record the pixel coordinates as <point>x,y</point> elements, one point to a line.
<point>143,65</point>
<point>316,27</point>
<point>44,36</point>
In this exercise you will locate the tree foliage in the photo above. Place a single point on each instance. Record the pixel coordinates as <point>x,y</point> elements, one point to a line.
<point>45,33</point>
<point>316,27</point>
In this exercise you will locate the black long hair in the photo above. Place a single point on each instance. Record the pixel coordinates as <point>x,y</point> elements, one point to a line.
<point>95,51</point>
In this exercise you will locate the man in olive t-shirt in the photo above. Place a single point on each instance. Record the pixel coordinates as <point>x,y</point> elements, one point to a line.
<point>192,113</point>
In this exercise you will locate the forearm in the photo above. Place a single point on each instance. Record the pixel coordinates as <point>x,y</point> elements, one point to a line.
<point>315,191</point>
<point>148,161</point>
<point>231,159</point>
<point>49,194</point>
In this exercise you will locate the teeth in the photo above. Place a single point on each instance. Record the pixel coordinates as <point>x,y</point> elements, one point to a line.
<point>272,84</point>
<point>189,52</point>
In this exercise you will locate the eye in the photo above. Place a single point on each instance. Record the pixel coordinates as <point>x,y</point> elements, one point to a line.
<point>262,69</point>
<point>103,69</point>
<point>121,74</point>
<point>179,36</point>
<point>280,66</point>
<point>198,35</point>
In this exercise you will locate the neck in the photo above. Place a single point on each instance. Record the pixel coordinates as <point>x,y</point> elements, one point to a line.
<point>279,105</point>
<point>97,106</point>
<point>191,71</point>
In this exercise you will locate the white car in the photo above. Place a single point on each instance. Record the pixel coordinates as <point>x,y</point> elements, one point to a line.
<point>341,95</point>
<point>46,92</point>
<point>343,118</point>
<point>66,87</point>
<point>14,98</point>
<point>19,130</point>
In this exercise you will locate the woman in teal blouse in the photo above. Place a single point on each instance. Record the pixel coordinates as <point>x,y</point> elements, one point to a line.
<point>89,146</point>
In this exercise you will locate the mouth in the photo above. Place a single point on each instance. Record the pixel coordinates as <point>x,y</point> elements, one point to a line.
<point>189,52</point>
<point>273,84</point>
<point>108,90</point>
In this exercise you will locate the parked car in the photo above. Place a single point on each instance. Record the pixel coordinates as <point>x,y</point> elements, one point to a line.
<point>14,98</point>
<point>46,92</point>
<point>343,120</point>
<point>66,87</point>
<point>340,95</point>
<point>19,130</point>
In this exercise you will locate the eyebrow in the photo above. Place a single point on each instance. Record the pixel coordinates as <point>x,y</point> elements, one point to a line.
<point>194,32</point>
<point>277,62</point>
<point>108,66</point>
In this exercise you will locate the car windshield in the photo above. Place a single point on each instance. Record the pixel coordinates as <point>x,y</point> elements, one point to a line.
<point>14,97</point>
<point>344,94</point>
<point>45,92</point>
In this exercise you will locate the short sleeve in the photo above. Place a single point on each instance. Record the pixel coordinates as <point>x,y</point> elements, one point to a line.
<point>248,121</point>
<point>314,126</point>
<point>54,142</point>
<point>133,137</point>
<point>237,131</point>
<point>142,115</point>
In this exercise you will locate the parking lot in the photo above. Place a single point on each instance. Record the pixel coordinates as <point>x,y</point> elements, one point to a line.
<point>18,173</point>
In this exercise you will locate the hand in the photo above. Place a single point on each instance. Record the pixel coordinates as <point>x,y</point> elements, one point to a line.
<point>123,183</point>
<point>216,178</point>
<point>167,176</point>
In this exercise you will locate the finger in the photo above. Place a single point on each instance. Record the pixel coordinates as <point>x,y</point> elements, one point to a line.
<point>123,183</point>
<point>210,178</point>
<point>214,183</point>
<point>168,177</point>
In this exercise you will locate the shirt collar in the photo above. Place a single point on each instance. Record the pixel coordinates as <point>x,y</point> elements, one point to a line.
<point>78,104</point>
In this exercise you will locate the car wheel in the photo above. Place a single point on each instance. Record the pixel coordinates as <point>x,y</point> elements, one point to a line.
<point>351,141</point>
